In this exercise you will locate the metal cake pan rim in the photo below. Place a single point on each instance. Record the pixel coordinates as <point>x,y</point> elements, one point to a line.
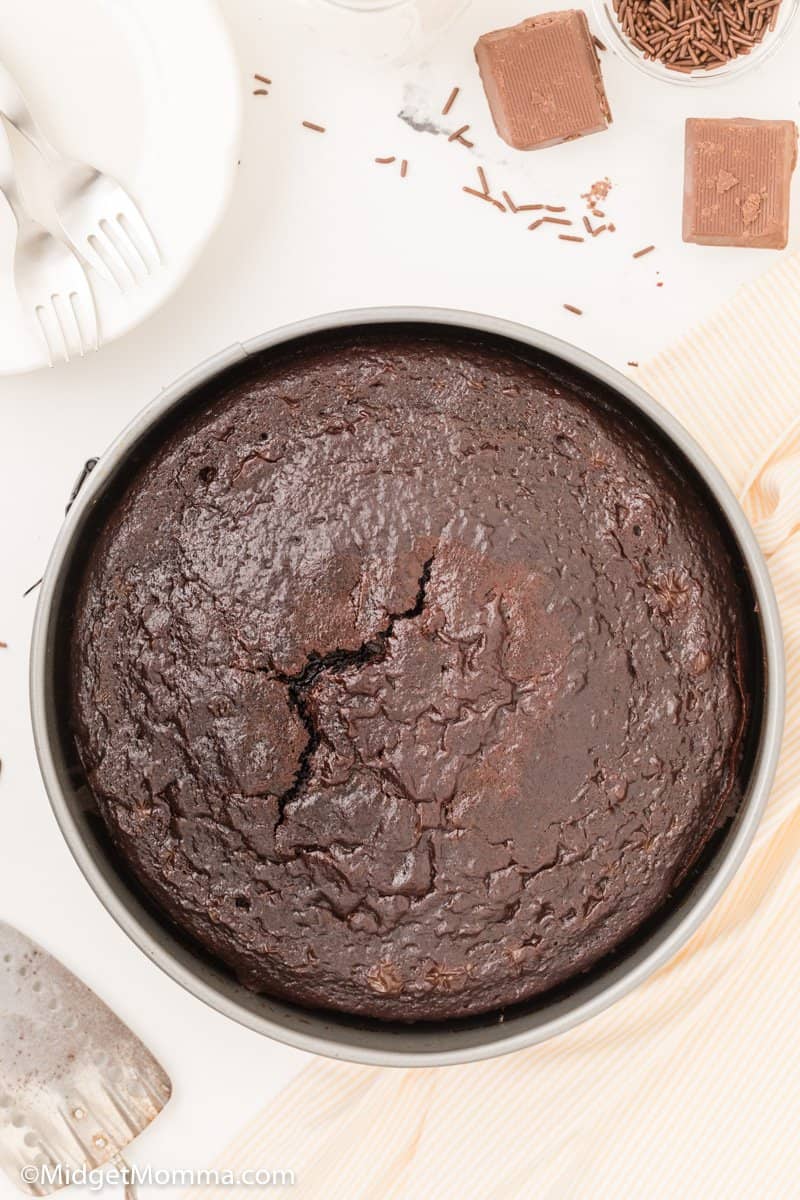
<point>320,1032</point>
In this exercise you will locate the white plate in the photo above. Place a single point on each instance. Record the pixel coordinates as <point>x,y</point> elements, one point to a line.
<point>148,90</point>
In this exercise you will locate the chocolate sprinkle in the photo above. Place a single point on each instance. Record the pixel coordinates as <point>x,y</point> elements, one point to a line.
<point>316,128</point>
<point>571,308</point>
<point>484,196</point>
<point>645,250</point>
<point>451,99</point>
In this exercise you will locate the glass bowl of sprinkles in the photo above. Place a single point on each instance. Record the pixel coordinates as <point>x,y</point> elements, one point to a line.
<point>695,41</point>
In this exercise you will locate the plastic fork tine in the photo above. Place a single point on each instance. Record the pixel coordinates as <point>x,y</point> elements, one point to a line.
<point>56,303</point>
<point>90,317</point>
<point>69,319</point>
<point>114,264</point>
<point>120,247</point>
<point>52,333</point>
<point>95,259</point>
<point>123,236</point>
<point>138,232</point>
<point>40,316</point>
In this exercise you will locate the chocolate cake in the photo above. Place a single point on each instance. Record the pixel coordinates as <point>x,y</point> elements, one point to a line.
<point>406,674</point>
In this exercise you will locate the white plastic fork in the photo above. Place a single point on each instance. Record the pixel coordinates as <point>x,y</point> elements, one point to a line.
<point>50,281</point>
<point>98,216</point>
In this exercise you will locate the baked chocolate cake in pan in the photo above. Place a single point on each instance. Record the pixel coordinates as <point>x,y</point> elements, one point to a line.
<point>406,674</point>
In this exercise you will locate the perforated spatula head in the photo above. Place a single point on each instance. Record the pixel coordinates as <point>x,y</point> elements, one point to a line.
<point>76,1086</point>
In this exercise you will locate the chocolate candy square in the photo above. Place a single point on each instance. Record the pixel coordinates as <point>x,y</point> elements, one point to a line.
<point>737,182</point>
<point>543,80</point>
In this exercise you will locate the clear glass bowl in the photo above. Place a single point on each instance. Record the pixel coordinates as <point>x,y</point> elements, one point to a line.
<point>610,32</point>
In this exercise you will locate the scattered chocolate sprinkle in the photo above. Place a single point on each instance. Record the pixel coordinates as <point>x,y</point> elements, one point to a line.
<point>260,92</point>
<point>632,363</point>
<point>509,202</point>
<point>32,588</point>
<point>404,168</point>
<point>587,224</point>
<point>458,134</point>
<point>464,142</point>
<point>598,44</point>
<point>571,308</point>
<point>316,128</point>
<point>646,250</point>
<point>262,79</point>
<point>536,224</point>
<point>390,159</point>
<point>530,208</point>
<point>570,237</point>
<point>555,208</point>
<point>484,181</point>
<point>556,220</point>
<point>483,196</point>
<point>450,101</point>
<point>596,212</point>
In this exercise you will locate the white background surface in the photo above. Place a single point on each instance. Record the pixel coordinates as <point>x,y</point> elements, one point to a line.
<point>315,225</point>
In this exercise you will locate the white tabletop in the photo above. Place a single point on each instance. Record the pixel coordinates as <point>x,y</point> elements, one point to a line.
<point>316,225</point>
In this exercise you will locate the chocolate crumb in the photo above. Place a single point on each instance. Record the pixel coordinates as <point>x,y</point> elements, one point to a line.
<point>751,208</point>
<point>598,191</point>
<point>725,181</point>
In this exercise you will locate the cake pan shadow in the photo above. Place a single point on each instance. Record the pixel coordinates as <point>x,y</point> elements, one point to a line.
<point>339,1036</point>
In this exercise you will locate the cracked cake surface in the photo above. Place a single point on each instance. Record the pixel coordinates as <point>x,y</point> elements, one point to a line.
<point>406,675</point>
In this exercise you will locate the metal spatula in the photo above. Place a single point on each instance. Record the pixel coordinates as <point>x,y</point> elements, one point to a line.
<point>76,1086</point>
